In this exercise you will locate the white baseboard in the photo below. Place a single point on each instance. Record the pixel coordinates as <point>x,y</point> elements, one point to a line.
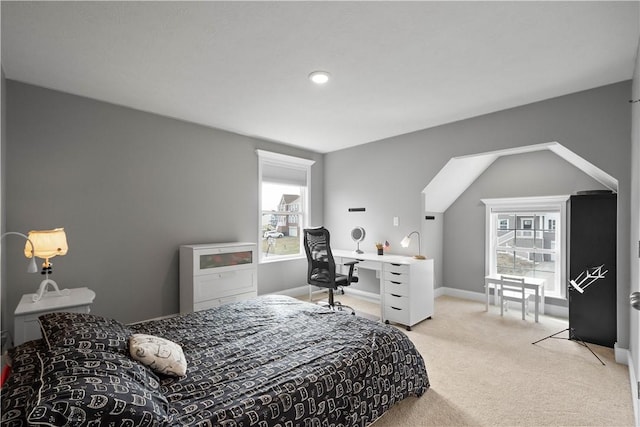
<point>459,293</point>
<point>551,310</point>
<point>293,292</point>
<point>368,296</point>
<point>622,355</point>
<point>304,291</point>
<point>633,379</point>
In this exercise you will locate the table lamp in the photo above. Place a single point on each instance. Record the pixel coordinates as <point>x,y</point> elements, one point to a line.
<point>407,239</point>
<point>46,244</point>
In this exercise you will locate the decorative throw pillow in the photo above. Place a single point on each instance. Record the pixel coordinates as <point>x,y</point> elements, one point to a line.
<point>84,331</point>
<point>90,388</point>
<point>160,354</point>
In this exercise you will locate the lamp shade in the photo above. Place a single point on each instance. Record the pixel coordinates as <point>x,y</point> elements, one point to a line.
<point>407,240</point>
<point>47,243</point>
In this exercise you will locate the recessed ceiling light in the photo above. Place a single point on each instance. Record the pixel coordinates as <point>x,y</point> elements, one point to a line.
<point>319,77</point>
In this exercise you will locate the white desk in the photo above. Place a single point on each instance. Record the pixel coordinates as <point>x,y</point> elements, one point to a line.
<point>406,284</point>
<point>495,281</point>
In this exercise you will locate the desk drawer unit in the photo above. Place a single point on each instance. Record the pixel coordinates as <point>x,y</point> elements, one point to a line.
<point>407,292</point>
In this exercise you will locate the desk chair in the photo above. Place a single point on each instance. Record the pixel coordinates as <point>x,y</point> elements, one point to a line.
<point>513,289</point>
<point>321,269</point>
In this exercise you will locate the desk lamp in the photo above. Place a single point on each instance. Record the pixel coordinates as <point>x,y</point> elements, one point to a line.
<point>407,239</point>
<point>46,244</point>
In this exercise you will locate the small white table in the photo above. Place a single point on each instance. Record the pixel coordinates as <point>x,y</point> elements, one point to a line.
<point>26,325</point>
<point>495,281</point>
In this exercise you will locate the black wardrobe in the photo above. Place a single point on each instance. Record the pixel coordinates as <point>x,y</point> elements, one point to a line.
<point>592,267</point>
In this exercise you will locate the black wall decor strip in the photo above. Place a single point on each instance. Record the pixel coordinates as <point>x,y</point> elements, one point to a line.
<point>429,217</point>
<point>356,209</point>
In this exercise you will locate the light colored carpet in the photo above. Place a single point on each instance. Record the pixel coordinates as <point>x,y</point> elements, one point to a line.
<point>485,371</point>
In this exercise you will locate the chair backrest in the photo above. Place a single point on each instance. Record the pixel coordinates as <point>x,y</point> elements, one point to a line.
<point>516,282</point>
<point>321,267</point>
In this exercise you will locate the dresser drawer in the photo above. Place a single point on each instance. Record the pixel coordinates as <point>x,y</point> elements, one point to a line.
<point>220,285</point>
<point>216,302</point>
<point>396,277</point>
<point>393,287</point>
<point>396,301</point>
<point>398,315</point>
<point>397,268</point>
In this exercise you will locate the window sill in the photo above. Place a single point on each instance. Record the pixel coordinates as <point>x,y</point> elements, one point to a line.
<point>271,260</point>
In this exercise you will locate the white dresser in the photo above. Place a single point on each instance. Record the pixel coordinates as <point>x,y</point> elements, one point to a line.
<point>217,273</point>
<point>26,323</point>
<point>406,285</point>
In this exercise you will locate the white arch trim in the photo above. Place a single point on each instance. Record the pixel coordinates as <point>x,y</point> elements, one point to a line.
<point>460,172</point>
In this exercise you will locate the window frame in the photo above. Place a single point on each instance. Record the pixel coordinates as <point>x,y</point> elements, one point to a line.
<point>535,205</point>
<point>290,162</point>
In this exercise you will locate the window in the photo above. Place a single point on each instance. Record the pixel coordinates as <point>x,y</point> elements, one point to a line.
<point>284,183</point>
<point>524,238</point>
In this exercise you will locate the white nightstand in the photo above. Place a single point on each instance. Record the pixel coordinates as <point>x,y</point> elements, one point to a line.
<point>26,323</point>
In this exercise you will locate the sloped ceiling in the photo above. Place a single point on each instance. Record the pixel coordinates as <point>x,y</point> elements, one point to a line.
<point>460,172</point>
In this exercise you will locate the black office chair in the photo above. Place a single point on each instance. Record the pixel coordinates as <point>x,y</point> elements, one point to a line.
<point>321,269</point>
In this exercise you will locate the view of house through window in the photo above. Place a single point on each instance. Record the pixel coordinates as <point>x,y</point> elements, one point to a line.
<point>526,247</point>
<point>282,218</point>
<point>527,241</point>
<point>284,208</point>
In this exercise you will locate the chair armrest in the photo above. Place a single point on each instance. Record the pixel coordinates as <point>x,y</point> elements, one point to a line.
<point>350,278</point>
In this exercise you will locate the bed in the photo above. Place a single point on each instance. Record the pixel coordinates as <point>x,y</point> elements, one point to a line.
<point>269,361</point>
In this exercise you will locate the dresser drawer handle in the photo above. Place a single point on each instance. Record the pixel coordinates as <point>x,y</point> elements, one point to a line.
<point>395,274</point>
<point>396,265</point>
<point>396,283</point>
<point>395,308</point>
<point>397,296</point>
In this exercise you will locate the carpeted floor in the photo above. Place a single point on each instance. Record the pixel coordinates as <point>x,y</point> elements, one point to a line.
<point>484,371</point>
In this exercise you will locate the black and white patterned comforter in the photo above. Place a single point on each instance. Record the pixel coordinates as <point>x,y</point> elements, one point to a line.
<point>271,361</point>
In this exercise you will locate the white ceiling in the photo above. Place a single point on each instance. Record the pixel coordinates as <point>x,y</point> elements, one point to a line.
<point>397,67</point>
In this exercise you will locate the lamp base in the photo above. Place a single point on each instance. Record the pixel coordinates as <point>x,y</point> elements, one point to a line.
<point>42,290</point>
<point>420,257</point>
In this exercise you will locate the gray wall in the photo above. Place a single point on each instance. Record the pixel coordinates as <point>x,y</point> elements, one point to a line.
<point>525,175</point>
<point>387,176</point>
<point>130,187</point>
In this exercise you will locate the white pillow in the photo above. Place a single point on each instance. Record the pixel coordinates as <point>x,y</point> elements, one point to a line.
<point>160,354</point>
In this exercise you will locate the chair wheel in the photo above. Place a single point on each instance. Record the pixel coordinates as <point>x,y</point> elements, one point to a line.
<point>353,313</point>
